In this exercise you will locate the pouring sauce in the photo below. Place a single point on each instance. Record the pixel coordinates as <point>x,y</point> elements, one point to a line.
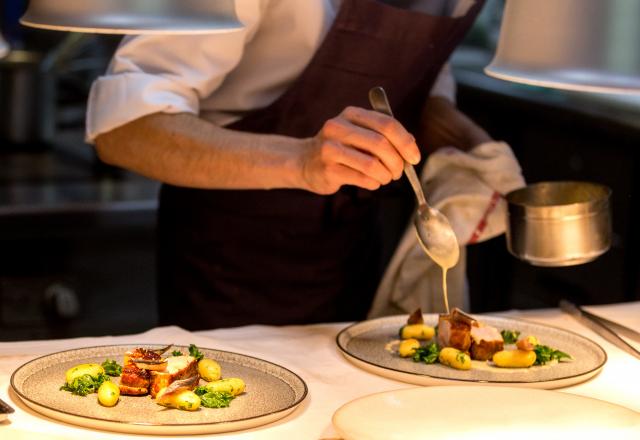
<point>439,242</point>
<point>446,260</point>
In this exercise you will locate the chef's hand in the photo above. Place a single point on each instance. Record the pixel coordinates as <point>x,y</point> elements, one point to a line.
<point>358,147</point>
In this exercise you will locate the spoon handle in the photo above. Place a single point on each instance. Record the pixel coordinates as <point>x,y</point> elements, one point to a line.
<point>380,103</point>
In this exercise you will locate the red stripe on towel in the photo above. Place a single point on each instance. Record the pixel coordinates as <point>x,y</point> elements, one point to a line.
<point>482,224</point>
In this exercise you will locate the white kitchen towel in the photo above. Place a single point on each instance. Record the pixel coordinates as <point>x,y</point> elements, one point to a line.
<point>468,188</point>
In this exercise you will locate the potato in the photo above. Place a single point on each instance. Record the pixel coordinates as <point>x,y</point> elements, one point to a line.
<point>188,401</point>
<point>417,331</point>
<point>93,370</point>
<point>408,347</point>
<point>209,370</point>
<point>185,400</point>
<point>108,394</point>
<point>514,358</point>
<point>233,386</point>
<point>455,358</point>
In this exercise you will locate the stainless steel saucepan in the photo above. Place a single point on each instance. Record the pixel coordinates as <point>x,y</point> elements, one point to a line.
<point>559,223</point>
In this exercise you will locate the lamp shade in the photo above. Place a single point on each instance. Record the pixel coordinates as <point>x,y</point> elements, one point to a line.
<point>586,45</point>
<point>133,16</point>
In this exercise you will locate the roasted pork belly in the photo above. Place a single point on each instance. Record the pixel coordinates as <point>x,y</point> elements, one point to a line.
<point>452,333</point>
<point>134,380</point>
<point>485,341</point>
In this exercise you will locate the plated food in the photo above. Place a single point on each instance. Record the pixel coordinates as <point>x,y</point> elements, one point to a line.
<point>272,392</point>
<point>373,345</point>
<point>462,339</point>
<point>173,381</point>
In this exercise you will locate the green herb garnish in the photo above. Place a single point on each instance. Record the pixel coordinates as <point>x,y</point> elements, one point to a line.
<point>193,351</point>
<point>428,354</point>
<point>85,384</point>
<point>112,368</point>
<point>213,399</point>
<point>510,336</point>
<point>176,353</point>
<point>546,354</point>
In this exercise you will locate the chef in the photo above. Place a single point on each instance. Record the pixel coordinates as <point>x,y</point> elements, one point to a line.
<point>275,172</point>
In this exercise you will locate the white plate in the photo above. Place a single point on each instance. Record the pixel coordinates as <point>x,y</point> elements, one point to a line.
<point>272,392</point>
<point>470,412</point>
<point>364,344</point>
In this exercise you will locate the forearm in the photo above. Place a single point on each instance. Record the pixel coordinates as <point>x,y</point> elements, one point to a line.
<point>184,150</point>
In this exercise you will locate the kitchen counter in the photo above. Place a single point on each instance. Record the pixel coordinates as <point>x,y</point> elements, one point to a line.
<point>309,351</point>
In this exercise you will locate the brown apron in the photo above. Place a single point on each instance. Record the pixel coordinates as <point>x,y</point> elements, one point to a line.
<point>235,257</point>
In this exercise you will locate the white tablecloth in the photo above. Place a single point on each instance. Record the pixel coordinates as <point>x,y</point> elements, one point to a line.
<point>311,352</point>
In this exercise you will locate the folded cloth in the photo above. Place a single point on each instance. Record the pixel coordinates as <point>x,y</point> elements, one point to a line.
<point>468,189</point>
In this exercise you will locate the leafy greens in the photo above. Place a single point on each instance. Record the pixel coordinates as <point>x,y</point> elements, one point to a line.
<point>213,399</point>
<point>193,351</point>
<point>546,354</point>
<point>428,354</point>
<point>112,368</point>
<point>85,384</point>
<point>510,336</point>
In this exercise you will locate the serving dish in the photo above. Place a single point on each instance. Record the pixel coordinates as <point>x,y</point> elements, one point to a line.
<point>272,393</point>
<point>561,223</point>
<point>489,412</point>
<point>365,345</point>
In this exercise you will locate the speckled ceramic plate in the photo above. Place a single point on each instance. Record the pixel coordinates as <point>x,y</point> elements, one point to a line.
<point>364,344</point>
<point>490,412</point>
<point>272,392</point>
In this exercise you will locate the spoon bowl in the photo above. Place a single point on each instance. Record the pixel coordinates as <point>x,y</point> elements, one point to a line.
<point>436,236</point>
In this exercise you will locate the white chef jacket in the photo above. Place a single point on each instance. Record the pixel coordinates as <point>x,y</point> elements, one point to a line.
<point>220,77</point>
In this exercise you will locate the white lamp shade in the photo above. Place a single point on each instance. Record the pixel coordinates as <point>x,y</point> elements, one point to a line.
<point>133,16</point>
<point>586,45</point>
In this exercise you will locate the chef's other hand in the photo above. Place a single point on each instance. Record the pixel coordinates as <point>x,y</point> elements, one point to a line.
<point>358,147</point>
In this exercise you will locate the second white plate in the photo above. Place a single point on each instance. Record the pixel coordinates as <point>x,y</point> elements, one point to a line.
<point>482,413</point>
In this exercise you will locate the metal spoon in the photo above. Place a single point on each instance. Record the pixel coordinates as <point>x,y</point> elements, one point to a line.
<point>433,229</point>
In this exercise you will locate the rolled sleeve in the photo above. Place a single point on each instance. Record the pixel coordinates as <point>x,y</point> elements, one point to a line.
<point>117,99</point>
<point>167,73</point>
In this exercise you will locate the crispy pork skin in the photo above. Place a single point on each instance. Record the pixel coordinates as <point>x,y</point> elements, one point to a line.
<point>133,391</point>
<point>145,359</point>
<point>458,315</point>
<point>456,334</point>
<point>134,381</point>
<point>485,341</point>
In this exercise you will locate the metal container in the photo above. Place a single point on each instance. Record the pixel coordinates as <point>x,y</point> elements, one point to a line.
<point>559,223</point>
